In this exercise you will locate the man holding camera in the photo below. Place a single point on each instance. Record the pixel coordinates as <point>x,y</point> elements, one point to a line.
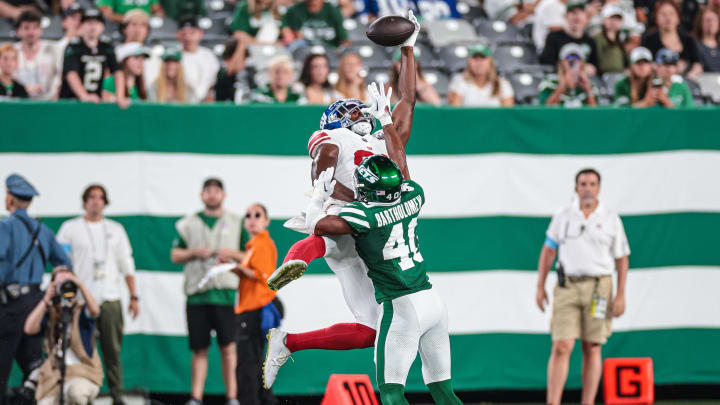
<point>102,258</point>
<point>68,313</point>
<point>570,87</point>
<point>26,246</point>
<point>590,241</point>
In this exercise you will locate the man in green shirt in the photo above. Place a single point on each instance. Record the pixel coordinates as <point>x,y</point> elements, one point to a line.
<point>674,91</point>
<point>114,10</point>
<point>316,22</point>
<point>203,239</point>
<point>570,87</point>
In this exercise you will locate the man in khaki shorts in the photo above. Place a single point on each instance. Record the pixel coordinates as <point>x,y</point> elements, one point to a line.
<point>591,242</point>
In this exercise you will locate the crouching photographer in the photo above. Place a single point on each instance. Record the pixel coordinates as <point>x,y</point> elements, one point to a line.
<point>67,316</point>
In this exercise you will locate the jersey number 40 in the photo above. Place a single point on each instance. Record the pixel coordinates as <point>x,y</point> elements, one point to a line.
<point>395,247</point>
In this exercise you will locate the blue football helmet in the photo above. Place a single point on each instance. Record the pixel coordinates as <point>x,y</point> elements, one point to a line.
<point>347,113</point>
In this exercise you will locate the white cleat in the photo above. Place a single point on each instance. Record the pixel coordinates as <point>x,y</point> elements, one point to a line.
<point>275,356</point>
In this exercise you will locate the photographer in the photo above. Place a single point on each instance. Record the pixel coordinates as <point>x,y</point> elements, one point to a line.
<point>67,315</point>
<point>571,87</point>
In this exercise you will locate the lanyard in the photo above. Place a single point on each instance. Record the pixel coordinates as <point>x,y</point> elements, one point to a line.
<point>97,262</point>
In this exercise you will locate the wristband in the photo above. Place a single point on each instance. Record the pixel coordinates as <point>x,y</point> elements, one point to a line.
<point>134,298</point>
<point>386,120</point>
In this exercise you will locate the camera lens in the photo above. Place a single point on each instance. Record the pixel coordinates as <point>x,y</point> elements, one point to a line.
<point>67,290</point>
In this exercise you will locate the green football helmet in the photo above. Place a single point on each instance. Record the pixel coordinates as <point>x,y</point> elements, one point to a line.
<point>377,179</point>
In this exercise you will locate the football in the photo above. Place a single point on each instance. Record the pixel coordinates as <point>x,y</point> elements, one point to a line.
<point>391,30</point>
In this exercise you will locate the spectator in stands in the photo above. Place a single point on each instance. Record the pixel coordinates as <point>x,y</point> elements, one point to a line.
<point>114,10</point>
<point>8,65</point>
<point>314,83</point>
<point>612,57</point>
<point>131,57</point>
<point>37,59</point>
<point>135,26</point>
<point>83,371</point>
<point>257,21</point>
<point>514,12</point>
<point>668,35</point>
<point>87,61</point>
<point>706,32</point>
<point>170,84</point>
<point>58,7</point>
<point>673,92</point>
<point>235,79</point>
<point>175,9</point>
<point>573,32</point>
<point>314,22</point>
<point>636,89</point>
<point>255,303</point>
<point>549,16</point>
<point>479,85</point>
<point>281,72</point>
<point>71,20</point>
<point>13,8</point>
<point>351,78</point>
<point>200,65</point>
<point>425,92</point>
<point>570,87</point>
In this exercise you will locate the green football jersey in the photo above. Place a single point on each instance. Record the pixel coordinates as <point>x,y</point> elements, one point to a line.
<point>387,240</point>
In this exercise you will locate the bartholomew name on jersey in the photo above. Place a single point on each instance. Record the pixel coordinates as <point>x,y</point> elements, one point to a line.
<point>398,212</point>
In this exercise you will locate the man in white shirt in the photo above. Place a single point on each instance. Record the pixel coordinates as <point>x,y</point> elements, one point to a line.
<point>200,65</point>
<point>549,16</point>
<point>590,242</point>
<point>37,59</point>
<point>101,255</point>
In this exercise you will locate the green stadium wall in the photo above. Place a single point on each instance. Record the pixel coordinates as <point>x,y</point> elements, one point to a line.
<point>493,179</point>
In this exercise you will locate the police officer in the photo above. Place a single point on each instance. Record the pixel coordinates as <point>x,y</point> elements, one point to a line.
<point>26,246</point>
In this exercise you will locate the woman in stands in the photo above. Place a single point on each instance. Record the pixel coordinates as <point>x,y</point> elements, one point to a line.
<point>706,33</point>
<point>170,84</point>
<point>667,35</point>
<point>314,80</point>
<point>351,77</point>
<point>132,57</point>
<point>479,85</point>
<point>632,90</point>
<point>425,91</point>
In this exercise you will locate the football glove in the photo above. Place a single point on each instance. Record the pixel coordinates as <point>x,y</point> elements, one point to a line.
<point>411,41</point>
<point>379,103</point>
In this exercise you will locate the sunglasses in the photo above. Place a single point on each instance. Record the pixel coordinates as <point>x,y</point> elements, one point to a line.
<point>250,215</point>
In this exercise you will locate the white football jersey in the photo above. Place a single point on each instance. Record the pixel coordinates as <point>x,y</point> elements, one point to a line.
<point>353,148</point>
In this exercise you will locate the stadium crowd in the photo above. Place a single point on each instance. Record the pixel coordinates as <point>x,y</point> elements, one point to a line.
<point>493,53</point>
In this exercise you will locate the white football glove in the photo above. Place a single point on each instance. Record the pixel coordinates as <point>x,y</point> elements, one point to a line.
<point>379,103</point>
<point>411,41</point>
<point>324,185</point>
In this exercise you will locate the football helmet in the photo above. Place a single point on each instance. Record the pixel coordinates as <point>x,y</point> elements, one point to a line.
<point>347,113</point>
<point>377,179</point>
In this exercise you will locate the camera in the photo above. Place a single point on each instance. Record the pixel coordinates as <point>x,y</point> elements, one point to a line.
<point>657,82</point>
<point>65,293</point>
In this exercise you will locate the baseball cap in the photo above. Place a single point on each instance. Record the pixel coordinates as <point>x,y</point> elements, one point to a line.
<point>72,9</point>
<point>136,14</point>
<point>640,53</point>
<point>187,21</point>
<point>572,48</point>
<point>574,4</point>
<point>666,57</point>
<point>93,14</point>
<point>479,49</point>
<point>213,181</point>
<point>611,10</point>
<point>131,49</point>
<point>173,52</point>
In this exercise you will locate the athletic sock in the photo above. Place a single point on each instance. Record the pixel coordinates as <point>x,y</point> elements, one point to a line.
<point>307,249</point>
<point>443,394</point>
<point>393,394</point>
<point>341,336</point>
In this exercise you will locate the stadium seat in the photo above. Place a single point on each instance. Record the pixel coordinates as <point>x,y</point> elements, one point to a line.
<point>526,86</point>
<point>511,57</point>
<point>426,56</point>
<point>112,30</point>
<point>378,75</point>
<point>454,57</point>
<point>438,79</point>
<point>445,32</point>
<point>219,7</point>
<point>162,28</point>
<point>601,86</point>
<point>495,32</point>
<point>214,27</point>
<point>355,30</point>
<point>52,27</point>
<point>710,86</point>
<point>260,55</point>
<point>373,56</point>
<point>7,31</point>
<point>611,80</point>
<point>301,53</point>
<point>470,12</point>
<point>215,45</point>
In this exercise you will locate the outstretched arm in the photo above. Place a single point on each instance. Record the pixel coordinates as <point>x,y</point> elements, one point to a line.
<point>380,109</point>
<point>403,113</point>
